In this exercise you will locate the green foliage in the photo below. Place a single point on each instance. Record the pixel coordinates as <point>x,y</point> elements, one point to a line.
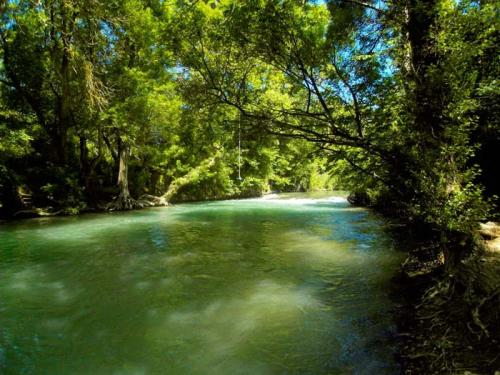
<point>82,81</point>
<point>397,100</point>
<point>14,143</point>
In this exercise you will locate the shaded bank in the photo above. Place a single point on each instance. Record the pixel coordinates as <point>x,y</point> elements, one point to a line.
<point>449,322</point>
<point>449,318</point>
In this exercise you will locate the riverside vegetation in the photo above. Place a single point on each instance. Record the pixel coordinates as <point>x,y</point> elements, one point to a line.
<point>124,104</point>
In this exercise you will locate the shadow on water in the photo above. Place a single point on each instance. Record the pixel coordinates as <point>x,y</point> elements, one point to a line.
<point>271,286</point>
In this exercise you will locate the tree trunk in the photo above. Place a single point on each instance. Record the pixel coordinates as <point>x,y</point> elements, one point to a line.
<point>428,96</point>
<point>63,115</point>
<point>123,201</point>
<point>123,171</point>
<point>87,168</point>
<point>84,162</point>
<point>430,92</point>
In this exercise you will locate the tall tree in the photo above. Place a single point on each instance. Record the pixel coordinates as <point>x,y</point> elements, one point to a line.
<point>365,81</point>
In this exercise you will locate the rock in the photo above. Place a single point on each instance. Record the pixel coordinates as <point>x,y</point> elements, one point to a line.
<point>489,230</point>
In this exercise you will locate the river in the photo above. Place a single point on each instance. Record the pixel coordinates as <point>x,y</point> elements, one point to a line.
<point>287,284</point>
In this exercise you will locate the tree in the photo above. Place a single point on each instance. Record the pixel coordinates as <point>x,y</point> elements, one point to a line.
<point>50,51</point>
<point>368,84</point>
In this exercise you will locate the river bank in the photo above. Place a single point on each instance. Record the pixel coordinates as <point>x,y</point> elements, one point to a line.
<point>449,317</point>
<point>449,323</point>
<point>145,201</point>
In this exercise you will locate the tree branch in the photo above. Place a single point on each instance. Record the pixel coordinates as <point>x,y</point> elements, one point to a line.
<point>366,5</point>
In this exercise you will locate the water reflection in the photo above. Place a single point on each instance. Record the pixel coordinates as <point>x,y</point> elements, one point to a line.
<point>228,328</point>
<point>293,285</point>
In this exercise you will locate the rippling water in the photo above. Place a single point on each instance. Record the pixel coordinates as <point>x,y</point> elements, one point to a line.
<point>288,284</point>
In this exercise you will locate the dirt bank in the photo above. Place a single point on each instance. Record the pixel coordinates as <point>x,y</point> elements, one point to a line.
<point>450,323</point>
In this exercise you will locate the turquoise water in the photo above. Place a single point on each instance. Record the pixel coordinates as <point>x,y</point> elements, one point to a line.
<point>290,284</point>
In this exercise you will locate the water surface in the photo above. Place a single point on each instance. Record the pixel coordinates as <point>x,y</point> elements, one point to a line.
<point>292,284</point>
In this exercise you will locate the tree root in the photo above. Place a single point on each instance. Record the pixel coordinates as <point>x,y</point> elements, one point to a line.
<point>455,323</point>
<point>147,200</point>
<point>37,212</point>
<point>122,202</point>
<point>126,202</point>
<point>476,315</point>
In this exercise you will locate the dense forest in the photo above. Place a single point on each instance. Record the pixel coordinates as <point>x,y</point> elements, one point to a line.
<point>117,99</point>
<point>99,100</point>
<point>122,104</point>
